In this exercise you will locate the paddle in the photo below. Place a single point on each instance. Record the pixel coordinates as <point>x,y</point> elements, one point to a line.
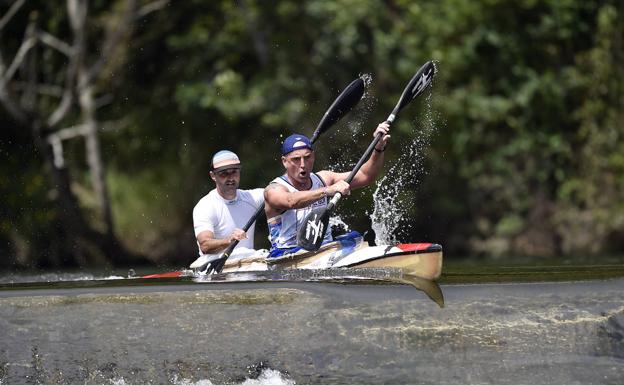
<point>310,235</point>
<point>347,99</point>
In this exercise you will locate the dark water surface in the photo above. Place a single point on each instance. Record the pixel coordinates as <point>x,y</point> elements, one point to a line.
<point>505,329</point>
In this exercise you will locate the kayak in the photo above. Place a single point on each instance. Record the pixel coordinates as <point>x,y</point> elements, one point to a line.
<point>422,260</point>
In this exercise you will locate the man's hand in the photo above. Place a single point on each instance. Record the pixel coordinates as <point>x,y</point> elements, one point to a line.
<point>237,235</point>
<point>384,129</point>
<point>341,187</point>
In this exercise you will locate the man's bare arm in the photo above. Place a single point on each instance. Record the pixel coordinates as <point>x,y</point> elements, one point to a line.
<point>278,199</point>
<point>208,244</point>
<point>369,170</point>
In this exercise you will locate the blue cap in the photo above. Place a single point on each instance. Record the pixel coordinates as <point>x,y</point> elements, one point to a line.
<point>295,142</point>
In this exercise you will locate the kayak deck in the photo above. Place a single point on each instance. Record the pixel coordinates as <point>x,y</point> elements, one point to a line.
<point>422,260</point>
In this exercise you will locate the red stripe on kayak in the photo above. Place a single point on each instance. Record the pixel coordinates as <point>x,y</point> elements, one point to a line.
<point>171,274</point>
<point>414,246</point>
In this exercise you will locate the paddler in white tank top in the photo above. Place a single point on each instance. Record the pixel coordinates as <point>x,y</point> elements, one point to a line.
<point>289,198</point>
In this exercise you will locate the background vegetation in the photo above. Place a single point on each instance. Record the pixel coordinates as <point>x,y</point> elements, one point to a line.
<point>522,150</point>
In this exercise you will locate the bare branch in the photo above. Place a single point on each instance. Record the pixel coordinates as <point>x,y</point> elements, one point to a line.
<point>55,43</point>
<point>7,101</point>
<point>56,141</point>
<point>69,132</point>
<point>151,7</point>
<point>113,38</point>
<point>10,13</point>
<point>27,44</point>
<point>6,74</point>
<point>103,100</point>
<point>16,112</point>
<point>56,138</point>
<point>62,109</point>
<point>42,89</point>
<point>77,10</point>
<point>57,150</point>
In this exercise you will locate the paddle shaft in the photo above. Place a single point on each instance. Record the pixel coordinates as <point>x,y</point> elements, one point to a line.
<point>371,147</point>
<point>250,222</point>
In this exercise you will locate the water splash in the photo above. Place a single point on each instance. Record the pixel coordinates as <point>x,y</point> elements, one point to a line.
<point>355,124</point>
<point>336,221</point>
<point>176,380</point>
<point>267,377</point>
<point>367,79</point>
<point>394,195</point>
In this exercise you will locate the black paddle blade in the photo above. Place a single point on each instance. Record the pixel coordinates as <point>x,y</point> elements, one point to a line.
<point>416,86</point>
<point>347,99</point>
<point>217,265</point>
<point>310,235</point>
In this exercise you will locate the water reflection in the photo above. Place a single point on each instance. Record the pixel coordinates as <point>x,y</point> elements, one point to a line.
<point>350,276</point>
<point>311,327</point>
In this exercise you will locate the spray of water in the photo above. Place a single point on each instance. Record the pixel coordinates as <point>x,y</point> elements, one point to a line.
<point>352,129</point>
<point>336,222</point>
<point>393,197</point>
<point>355,124</point>
<point>391,205</point>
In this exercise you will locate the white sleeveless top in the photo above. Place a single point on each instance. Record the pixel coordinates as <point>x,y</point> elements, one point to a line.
<point>283,228</point>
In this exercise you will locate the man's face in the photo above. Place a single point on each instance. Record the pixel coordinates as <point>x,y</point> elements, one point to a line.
<point>299,164</point>
<point>227,181</point>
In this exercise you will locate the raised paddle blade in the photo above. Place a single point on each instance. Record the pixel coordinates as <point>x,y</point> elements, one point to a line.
<point>344,103</point>
<point>418,83</point>
<point>310,235</point>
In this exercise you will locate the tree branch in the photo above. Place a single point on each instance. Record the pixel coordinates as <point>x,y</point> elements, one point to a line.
<point>27,44</point>
<point>55,43</point>
<point>113,38</point>
<point>151,7</point>
<point>42,89</point>
<point>10,13</point>
<point>77,11</point>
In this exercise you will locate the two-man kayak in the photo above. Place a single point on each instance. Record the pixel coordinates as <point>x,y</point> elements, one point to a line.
<point>423,260</point>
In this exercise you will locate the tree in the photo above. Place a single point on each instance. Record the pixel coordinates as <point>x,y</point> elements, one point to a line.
<point>51,86</point>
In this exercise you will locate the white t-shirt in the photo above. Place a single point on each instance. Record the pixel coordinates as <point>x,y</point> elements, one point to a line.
<point>221,216</point>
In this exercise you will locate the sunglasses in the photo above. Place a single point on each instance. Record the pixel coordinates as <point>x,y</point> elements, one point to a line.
<point>229,171</point>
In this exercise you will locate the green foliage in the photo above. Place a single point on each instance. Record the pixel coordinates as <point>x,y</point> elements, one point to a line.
<point>520,116</point>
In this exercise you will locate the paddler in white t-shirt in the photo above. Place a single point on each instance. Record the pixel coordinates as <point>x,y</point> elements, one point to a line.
<point>290,197</point>
<point>220,215</point>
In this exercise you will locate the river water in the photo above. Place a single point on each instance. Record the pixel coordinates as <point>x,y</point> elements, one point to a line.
<point>314,329</point>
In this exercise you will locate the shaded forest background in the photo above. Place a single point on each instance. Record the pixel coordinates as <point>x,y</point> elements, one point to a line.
<point>111,111</point>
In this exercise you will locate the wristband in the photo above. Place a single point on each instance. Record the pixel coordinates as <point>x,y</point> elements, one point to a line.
<point>382,149</point>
